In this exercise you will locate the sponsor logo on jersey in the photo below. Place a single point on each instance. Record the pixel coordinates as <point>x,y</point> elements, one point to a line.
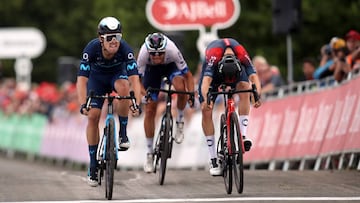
<point>84,67</point>
<point>131,66</point>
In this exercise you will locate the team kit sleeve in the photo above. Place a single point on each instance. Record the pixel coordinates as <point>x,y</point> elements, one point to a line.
<point>142,60</point>
<point>177,57</point>
<point>85,62</point>
<point>130,61</point>
<point>245,60</point>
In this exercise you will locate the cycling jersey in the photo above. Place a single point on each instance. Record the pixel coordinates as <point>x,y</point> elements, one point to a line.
<point>103,73</point>
<point>151,74</point>
<point>214,53</point>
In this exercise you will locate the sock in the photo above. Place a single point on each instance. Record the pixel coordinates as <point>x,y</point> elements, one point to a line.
<point>243,121</point>
<point>149,145</point>
<point>92,153</point>
<point>180,115</point>
<point>210,140</point>
<point>123,123</point>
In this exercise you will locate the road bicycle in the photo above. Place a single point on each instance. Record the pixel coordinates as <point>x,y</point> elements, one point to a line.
<point>230,146</point>
<point>107,155</point>
<point>164,140</point>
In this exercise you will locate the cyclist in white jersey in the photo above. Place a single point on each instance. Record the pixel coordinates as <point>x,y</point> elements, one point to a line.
<point>159,57</point>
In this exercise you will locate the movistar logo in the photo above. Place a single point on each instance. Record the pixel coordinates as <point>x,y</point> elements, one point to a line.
<point>123,77</point>
<point>84,67</point>
<point>132,66</point>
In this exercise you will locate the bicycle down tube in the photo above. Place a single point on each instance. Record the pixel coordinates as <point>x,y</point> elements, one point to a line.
<point>107,152</point>
<point>164,141</point>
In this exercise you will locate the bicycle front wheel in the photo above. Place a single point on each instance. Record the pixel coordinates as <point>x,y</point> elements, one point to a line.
<point>110,159</point>
<point>165,148</point>
<point>237,153</point>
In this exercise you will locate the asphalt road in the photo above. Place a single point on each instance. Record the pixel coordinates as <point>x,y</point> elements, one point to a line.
<point>22,180</point>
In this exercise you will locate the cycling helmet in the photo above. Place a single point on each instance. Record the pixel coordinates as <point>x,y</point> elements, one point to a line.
<point>109,25</point>
<point>229,69</point>
<point>155,42</point>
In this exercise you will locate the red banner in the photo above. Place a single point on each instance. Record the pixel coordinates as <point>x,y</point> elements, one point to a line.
<point>308,125</point>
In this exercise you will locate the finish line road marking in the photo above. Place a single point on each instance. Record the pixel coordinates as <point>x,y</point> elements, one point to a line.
<point>234,199</point>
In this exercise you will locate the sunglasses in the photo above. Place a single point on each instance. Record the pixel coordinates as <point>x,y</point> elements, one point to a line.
<point>156,53</point>
<point>110,37</point>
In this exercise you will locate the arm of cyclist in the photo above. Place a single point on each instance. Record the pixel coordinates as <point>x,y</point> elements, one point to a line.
<point>190,87</point>
<point>81,84</point>
<point>254,79</point>
<point>136,87</point>
<point>204,91</point>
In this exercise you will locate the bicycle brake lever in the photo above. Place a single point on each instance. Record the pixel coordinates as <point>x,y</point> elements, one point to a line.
<point>255,93</point>
<point>88,99</point>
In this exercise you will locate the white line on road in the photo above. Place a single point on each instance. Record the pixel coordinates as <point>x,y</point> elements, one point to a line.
<point>234,199</point>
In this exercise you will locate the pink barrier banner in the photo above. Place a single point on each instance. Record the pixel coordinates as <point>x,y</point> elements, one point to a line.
<point>308,125</point>
<point>345,101</point>
<point>265,125</point>
<point>291,110</point>
<point>352,142</point>
<point>315,112</point>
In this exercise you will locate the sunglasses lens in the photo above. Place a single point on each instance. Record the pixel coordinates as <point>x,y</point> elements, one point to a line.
<point>157,53</point>
<point>111,36</point>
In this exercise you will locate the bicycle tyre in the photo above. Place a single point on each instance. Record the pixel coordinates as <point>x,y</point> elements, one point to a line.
<point>164,154</point>
<point>237,155</point>
<point>223,155</point>
<point>110,159</point>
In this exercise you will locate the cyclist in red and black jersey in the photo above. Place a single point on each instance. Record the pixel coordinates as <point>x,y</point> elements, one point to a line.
<point>239,73</point>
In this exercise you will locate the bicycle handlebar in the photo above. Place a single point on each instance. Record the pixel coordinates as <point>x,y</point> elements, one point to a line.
<point>169,92</point>
<point>233,91</point>
<point>131,97</point>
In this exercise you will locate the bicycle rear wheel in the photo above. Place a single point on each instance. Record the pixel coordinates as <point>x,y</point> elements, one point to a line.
<point>110,158</point>
<point>237,155</point>
<point>165,147</point>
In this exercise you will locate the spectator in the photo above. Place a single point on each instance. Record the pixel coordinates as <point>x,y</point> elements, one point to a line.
<point>270,77</point>
<point>308,69</point>
<point>330,54</point>
<point>353,45</point>
<point>339,67</point>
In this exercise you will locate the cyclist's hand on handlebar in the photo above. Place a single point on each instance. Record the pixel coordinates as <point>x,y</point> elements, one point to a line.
<point>84,110</point>
<point>206,106</point>
<point>135,110</point>
<point>257,104</point>
<point>191,100</point>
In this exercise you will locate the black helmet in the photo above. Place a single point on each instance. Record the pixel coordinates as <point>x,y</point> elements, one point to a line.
<point>155,42</point>
<point>229,69</point>
<point>109,25</point>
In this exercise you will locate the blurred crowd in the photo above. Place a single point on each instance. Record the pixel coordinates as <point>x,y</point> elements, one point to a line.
<point>44,98</point>
<point>337,58</point>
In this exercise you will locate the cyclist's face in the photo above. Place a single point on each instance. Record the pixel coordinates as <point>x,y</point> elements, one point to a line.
<point>111,43</point>
<point>157,57</point>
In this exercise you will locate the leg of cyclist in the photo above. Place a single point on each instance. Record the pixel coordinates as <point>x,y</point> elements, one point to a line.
<point>208,125</point>
<point>149,126</point>
<point>182,83</point>
<point>179,85</point>
<point>122,107</point>
<point>151,78</point>
<point>244,110</point>
<point>92,135</point>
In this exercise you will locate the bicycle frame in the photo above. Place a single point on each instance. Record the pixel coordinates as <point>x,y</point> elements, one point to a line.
<point>107,155</point>
<point>164,141</point>
<point>231,142</point>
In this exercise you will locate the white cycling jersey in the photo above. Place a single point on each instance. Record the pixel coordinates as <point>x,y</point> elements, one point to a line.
<point>172,54</point>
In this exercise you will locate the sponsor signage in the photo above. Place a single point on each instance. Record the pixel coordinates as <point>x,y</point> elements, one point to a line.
<point>21,42</point>
<point>192,14</point>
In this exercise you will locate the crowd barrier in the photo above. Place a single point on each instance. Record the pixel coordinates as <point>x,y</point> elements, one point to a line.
<point>316,130</point>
